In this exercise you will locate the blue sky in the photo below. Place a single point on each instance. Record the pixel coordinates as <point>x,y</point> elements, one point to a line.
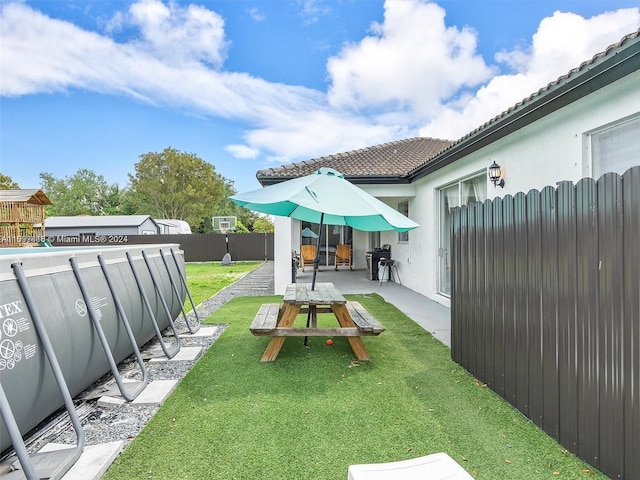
<point>247,85</point>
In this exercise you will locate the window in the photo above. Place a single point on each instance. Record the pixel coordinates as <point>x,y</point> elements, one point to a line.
<point>332,235</point>
<point>463,192</point>
<point>403,208</point>
<point>616,148</point>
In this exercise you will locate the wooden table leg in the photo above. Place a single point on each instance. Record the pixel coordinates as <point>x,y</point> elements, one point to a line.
<point>288,315</point>
<point>344,319</point>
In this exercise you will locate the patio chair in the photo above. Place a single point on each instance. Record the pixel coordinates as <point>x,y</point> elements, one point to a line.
<point>307,255</point>
<point>343,256</point>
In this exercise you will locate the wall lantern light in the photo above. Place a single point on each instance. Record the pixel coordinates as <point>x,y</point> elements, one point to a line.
<point>494,175</point>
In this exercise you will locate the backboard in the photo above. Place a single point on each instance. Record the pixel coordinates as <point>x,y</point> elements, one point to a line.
<point>224,224</point>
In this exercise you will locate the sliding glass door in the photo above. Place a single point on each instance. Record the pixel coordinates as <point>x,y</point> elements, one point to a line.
<point>332,235</point>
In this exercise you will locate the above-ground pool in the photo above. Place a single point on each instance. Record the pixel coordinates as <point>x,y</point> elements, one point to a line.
<point>80,297</point>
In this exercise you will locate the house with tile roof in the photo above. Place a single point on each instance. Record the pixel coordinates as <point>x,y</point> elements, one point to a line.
<point>584,124</point>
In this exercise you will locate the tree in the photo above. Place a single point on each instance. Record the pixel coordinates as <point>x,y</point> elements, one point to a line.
<point>178,185</point>
<point>226,208</point>
<point>263,225</point>
<point>7,183</point>
<point>84,193</point>
<point>118,201</point>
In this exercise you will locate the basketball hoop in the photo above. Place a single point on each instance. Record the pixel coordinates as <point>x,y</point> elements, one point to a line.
<point>224,225</point>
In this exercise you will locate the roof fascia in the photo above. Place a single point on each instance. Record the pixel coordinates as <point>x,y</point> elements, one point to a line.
<point>613,67</point>
<point>265,181</point>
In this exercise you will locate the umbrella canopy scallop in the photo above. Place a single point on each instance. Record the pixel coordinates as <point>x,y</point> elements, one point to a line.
<point>325,197</point>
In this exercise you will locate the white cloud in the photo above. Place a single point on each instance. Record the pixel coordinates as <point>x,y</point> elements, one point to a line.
<point>256,15</point>
<point>243,151</point>
<point>176,34</point>
<point>409,63</point>
<point>411,75</point>
<point>561,43</point>
<point>311,10</point>
<point>565,40</point>
<point>40,54</point>
<point>313,133</point>
<point>115,23</point>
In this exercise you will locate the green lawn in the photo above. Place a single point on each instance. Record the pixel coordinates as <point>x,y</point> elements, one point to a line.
<point>312,413</point>
<point>207,279</point>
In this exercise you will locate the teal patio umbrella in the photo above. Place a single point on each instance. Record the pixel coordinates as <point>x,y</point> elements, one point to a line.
<point>307,232</point>
<point>325,197</point>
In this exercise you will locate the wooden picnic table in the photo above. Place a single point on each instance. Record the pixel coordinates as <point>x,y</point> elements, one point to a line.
<point>277,321</point>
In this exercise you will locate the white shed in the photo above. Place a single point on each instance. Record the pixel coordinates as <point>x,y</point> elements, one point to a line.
<point>91,225</point>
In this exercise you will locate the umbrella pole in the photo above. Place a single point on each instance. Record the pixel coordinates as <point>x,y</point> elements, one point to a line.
<point>316,262</point>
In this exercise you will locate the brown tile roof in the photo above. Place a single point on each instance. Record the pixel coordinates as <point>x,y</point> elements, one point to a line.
<point>393,159</point>
<point>409,159</point>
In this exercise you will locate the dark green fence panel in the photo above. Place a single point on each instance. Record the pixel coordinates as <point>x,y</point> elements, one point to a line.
<point>479,290</point>
<point>464,279</point>
<point>610,296</point>
<point>489,303</point>
<point>567,320</point>
<point>456,275</point>
<point>545,309</point>
<point>548,410</point>
<point>198,247</point>
<point>631,327</point>
<point>587,328</point>
<point>498,294</point>
<point>533,309</point>
<point>519,301</point>
<point>508,302</point>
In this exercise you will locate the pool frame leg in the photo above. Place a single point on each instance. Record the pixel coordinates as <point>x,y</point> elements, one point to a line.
<point>192,330</point>
<point>169,353</point>
<point>26,461</point>
<point>184,284</point>
<point>127,393</point>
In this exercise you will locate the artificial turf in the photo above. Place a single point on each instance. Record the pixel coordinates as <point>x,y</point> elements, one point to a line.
<point>208,278</point>
<point>313,412</point>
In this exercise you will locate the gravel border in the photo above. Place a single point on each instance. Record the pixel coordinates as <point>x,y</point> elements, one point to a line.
<point>103,424</point>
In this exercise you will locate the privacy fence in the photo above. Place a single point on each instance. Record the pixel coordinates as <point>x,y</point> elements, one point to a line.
<point>206,247</point>
<point>546,311</point>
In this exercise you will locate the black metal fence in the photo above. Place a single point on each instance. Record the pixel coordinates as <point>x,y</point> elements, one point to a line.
<point>206,247</point>
<point>546,311</point>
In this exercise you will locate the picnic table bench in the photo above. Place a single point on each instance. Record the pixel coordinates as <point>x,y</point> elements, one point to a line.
<point>367,324</point>
<point>266,319</point>
<point>276,320</point>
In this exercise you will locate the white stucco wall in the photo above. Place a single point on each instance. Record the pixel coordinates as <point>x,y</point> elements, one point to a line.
<point>283,240</point>
<point>553,149</point>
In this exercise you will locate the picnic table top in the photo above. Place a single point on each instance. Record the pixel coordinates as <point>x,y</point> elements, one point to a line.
<point>322,294</point>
